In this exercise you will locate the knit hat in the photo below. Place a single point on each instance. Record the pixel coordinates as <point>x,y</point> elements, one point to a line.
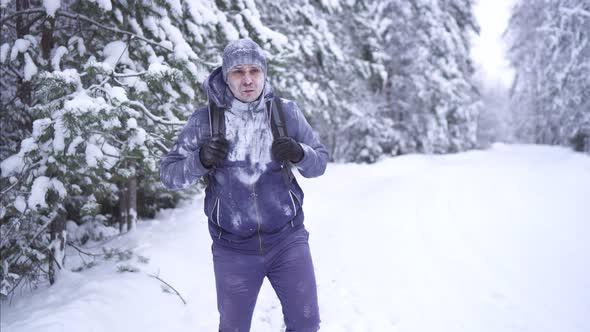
<point>242,52</point>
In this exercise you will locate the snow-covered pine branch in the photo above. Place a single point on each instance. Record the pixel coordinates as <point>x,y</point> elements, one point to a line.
<point>157,119</point>
<point>550,51</point>
<point>76,16</point>
<point>575,11</point>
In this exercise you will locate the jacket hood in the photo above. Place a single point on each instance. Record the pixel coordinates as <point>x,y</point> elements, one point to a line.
<point>218,91</point>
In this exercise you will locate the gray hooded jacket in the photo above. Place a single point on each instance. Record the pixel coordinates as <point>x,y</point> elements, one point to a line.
<point>247,202</point>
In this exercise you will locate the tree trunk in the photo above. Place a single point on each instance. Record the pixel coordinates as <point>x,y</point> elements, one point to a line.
<point>132,201</point>
<point>123,207</point>
<point>47,41</point>
<point>128,201</point>
<point>57,246</point>
<point>24,88</point>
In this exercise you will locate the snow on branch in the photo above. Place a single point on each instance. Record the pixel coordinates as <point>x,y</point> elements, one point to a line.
<point>156,276</point>
<point>115,30</point>
<point>88,20</point>
<point>575,11</point>
<point>79,18</point>
<point>20,13</point>
<point>153,117</point>
<point>138,74</point>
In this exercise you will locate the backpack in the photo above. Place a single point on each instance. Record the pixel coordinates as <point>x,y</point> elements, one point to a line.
<point>274,110</point>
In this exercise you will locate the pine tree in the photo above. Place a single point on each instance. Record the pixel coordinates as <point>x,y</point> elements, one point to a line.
<point>550,51</point>
<point>103,97</point>
<point>113,83</point>
<point>429,90</point>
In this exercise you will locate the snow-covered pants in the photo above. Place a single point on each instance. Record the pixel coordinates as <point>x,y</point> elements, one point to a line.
<point>289,268</point>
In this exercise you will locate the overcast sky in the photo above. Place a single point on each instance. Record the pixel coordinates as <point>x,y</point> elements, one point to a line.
<point>489,50</point>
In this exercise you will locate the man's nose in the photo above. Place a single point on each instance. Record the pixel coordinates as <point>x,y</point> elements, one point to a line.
<point>247,80</point>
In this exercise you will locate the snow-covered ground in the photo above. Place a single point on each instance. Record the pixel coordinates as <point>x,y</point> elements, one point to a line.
<point>493,240</point>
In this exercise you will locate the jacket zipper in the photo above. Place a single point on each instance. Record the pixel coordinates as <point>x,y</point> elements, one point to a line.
<point>251,109</point>
<point>216,210</point>
<point>254,197</point>
<point>291,194</point>
<point>293,199</point>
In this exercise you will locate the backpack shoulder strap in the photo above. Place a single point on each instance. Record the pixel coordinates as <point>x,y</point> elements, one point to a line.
<point>278,126</point>
<point>278,118</point>
<point>216,120</point>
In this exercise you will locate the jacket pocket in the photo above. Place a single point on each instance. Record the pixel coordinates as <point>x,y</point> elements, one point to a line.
<point>214,214</point>
<point>295,201</point>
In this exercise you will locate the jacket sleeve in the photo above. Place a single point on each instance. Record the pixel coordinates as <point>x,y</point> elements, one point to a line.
<point>315,155</point>
<point>182,166</point>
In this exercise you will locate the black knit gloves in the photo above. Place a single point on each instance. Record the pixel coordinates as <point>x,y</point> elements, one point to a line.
<point>286,149</point>
<point>214,151</point>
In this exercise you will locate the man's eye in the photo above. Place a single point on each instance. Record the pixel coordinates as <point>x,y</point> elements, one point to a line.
<point>255,71</point>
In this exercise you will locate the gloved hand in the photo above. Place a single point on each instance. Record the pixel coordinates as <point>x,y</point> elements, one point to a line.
<point>214,151</point>
<point>286,149</point>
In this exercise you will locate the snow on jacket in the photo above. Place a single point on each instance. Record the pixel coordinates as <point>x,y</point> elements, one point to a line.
<point>247,202</point>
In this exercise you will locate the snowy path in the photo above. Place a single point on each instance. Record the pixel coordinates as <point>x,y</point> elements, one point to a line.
<point>479,241</point>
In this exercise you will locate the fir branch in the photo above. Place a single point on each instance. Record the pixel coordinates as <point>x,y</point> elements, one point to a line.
<point>34,20</point>
<point>21,13</point>
<point>12,28</point>
<point>10,102</point>
<point>44,227</point>
<point>117,81</point>
<point>80,27</point>
<point>115,30</point>
<point>575,11</point>
<point>105,135</point>
<point>123,156</point>
<point>101,244</point>
<point>7,190</point>
<point>153,117</point>
<point>124,50</point>
<point>163,148</point>
<point>4,241</point>
<point>16,73</point>
<point>87,20</point>
<point>84,252</point>
<point>130,75</point>
<point>14,287</point>
<point>24,172</point>
<point>27,259</point>
<point>38,264</point>
<point>105,92</point>
<point>100,85</point>
<point>52,257</point>
<point>167,284</point>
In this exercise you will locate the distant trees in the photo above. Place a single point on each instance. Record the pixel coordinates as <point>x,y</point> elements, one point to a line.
<point>495,119</point>
<point>550,50</point>
<point>427,101</point>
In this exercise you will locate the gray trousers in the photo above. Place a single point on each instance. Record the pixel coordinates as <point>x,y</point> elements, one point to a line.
<point>289,268</point>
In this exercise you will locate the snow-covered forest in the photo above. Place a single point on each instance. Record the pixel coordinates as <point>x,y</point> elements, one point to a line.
<point>550,51</point>
<point>467,242</point>
<point>92,94</point>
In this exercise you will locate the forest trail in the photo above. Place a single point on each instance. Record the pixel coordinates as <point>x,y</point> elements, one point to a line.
<point>490,240</point>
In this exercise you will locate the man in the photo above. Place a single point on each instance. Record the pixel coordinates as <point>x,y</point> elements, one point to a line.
<point>253,203</point>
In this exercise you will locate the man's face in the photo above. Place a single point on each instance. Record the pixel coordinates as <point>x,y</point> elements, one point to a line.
<point>246,82</point>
